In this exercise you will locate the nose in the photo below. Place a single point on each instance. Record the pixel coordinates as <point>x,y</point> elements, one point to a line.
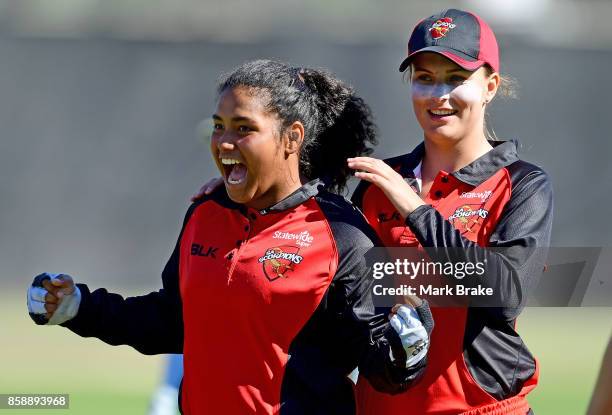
<point>441,92</point>
<point>225,142</point>
<point>225,146</point>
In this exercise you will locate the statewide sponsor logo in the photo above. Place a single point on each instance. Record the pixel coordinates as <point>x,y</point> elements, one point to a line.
<point>483,196</point>
<point>468,218</point>
<point>387,217</point>
<point>278,261</point>
<point>441,27</point>
<point>201,250</point>
<point>303,239</point>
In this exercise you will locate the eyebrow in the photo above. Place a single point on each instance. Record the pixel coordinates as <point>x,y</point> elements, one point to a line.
<point>418,68</point>
<point>235,119</point>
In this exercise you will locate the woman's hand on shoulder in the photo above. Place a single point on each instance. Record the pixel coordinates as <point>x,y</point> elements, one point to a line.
<point>393,185</point>
<point>207,188</point>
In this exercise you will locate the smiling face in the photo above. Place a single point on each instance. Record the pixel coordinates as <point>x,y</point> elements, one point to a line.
<point>254,160</point>
<point>449,101</point>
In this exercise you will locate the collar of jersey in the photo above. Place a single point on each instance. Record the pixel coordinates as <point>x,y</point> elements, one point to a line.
<point>308,190</point>
<point>503,154</point>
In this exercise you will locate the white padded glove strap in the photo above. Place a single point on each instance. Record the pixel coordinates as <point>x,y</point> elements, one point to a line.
<point>36,300</point>
<point>412,333</point>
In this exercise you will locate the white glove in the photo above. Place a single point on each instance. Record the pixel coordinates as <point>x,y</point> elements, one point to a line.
<point>412,333</point>
<point>68,299</point>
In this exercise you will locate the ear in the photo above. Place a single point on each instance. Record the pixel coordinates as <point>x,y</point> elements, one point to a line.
<point>492,84</point>
<point>294,137</point>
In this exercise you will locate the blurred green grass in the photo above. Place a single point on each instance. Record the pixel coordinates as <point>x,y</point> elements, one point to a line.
<point>569,343</point>
<point>99,378</point>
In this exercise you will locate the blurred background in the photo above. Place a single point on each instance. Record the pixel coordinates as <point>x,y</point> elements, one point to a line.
<point>102,104</point>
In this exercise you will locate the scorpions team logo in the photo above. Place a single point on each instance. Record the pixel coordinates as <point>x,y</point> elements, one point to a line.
<point>441,27</point>
<point>468,218</point>
<point>278,261</point>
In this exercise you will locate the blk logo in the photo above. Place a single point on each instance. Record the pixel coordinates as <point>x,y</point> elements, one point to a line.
<point>201,250</point>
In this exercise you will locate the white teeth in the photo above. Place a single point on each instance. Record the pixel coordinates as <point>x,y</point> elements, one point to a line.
<point>443,112</point>
<point>229,161</point>
<point>230,181</point>
<point>232,162</point>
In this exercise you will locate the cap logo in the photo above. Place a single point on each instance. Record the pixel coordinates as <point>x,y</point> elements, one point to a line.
<point>441,27</point>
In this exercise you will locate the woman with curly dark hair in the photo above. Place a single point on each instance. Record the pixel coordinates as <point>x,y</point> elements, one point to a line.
<point>267,292</point>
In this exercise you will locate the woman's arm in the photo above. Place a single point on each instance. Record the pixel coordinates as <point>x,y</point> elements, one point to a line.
<point>151,323</point>
<point>391,355</point>
<point>395,356</point>
<point>520,241</point>
<point>520,238</point>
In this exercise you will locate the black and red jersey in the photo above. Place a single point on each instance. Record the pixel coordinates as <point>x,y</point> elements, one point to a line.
<point>272,308</point>
<point>478,364</point>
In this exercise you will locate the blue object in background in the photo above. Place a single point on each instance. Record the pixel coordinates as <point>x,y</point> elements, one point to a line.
<point>165,399</point>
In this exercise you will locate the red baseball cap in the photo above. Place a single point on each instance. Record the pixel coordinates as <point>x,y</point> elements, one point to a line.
<point>461,36</point>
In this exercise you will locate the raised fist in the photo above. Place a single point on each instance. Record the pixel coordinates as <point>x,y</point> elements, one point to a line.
<point>53,299</point>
